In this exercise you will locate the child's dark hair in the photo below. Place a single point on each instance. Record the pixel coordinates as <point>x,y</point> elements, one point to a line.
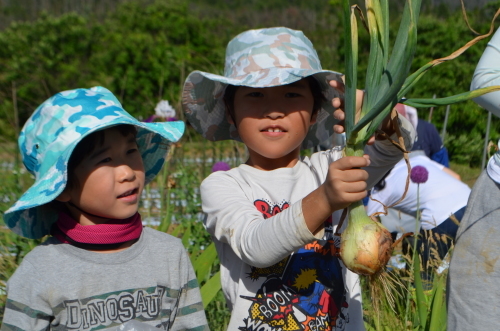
<point>381,183</point>
<point>318,96</point>
<point>88,144</point>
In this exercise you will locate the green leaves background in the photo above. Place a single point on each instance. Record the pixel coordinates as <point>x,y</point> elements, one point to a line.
<point>142,50</point>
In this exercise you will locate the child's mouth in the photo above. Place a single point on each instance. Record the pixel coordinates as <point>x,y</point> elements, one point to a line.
<point>273,129</point>
<point>128,193</point>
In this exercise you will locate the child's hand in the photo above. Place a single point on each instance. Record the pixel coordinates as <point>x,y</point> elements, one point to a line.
<point>387,125</point>
<point>338,104</point>
<point>345,182</point>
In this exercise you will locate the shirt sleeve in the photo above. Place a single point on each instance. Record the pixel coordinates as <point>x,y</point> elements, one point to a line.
<point>232,219</point>
<point>26,307</point>
<point>384,154</point>
<point>487,73</point>
<point>375,206</point>
<point>190,313</point>
<point>437,164</point>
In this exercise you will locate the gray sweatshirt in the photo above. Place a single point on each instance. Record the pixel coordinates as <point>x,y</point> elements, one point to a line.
<point>60,287</point>
<point>474,276</point>
<point>473,291</point>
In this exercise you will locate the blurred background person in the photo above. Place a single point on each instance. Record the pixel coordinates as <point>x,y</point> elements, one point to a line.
<point>473,291</point>
<point>428,138</point>
<point>442,200</point>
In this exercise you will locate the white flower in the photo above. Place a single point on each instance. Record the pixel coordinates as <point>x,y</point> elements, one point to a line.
<point>163,109</point>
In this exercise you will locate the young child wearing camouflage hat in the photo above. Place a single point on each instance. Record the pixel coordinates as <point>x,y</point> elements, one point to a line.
<point>271,218</point>
<point>101,269</point>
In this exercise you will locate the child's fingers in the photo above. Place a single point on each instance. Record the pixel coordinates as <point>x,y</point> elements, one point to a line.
<point>340,194</point>
<point>354,187</point>
<point>350,162</point>
<point>339,86</point>
<point>346,181</point>
<point>352,180</point>
<point>339,114</point>
<point>337,104</point>
<point>338,128</point>
<point>349,198</point>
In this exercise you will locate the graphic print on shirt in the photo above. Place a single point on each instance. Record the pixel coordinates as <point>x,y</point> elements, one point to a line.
<point>304,291</point>
<point>116,308</point>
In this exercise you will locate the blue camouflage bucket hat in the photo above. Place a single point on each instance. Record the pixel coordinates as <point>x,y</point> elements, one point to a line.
<point>49,137</point>
<point>258,58</point>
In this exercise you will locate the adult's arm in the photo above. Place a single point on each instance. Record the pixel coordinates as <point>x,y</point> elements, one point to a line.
<point>384,154</point>
<point>487,74</point>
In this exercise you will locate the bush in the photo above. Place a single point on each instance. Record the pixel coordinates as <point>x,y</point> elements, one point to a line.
<point>465,149</point>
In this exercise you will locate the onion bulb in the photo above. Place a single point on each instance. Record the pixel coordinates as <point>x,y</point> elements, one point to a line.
<point>365,245</point>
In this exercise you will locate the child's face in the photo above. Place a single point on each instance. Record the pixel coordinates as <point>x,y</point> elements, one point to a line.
<point>273,122</point>
<point>109,181</point>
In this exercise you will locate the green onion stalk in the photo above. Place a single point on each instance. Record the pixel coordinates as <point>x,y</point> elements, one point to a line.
<point>366,245</point>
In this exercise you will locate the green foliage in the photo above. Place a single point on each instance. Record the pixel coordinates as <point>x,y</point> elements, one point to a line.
<point>149,50</point>
<point>217,313</point>
<point>465,148</point>
<point>41,58</point>
<point>142,53</point>
<point>143,50</point>
<point>12,247</point>
<point>413,308</point>
<point>452,77</point>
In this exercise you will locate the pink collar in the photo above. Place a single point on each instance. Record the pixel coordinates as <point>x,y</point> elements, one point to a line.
<point>69,231</point>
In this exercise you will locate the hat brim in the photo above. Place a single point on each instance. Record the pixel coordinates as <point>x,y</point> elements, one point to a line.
<point>31,217</point>
<point>204,106</point>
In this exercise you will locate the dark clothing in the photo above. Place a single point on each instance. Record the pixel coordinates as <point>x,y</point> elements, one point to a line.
<point>441,245</point>
<point>429,141</point>
<point>441,157</point>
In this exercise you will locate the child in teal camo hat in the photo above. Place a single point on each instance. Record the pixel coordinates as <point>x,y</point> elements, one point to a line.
<point>271,217</point>
<point>100,269</point>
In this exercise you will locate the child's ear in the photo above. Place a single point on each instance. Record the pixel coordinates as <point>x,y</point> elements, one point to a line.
<point>314,116</point>
<point>229,117</point>
<point>64,196</point>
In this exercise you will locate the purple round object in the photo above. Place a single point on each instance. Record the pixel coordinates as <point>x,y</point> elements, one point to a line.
<point>221,166</point>
<point>419,174</point>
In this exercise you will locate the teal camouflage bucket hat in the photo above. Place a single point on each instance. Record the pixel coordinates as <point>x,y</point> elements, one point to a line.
<point>258,58</point>
<point>49,137</point>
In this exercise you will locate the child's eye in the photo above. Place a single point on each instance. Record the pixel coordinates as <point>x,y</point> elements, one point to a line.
<point>292,95</point>
<point>105,160</point>
<point>132,150</point>
<point>255,94</point>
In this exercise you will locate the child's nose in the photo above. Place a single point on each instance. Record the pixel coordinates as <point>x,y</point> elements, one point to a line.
<point>274,110</point>
<point>126,173</point>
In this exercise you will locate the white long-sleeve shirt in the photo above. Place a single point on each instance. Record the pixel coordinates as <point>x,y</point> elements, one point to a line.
<point>487,74</point>
<point>275,273</point>
<point>439,197</point>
